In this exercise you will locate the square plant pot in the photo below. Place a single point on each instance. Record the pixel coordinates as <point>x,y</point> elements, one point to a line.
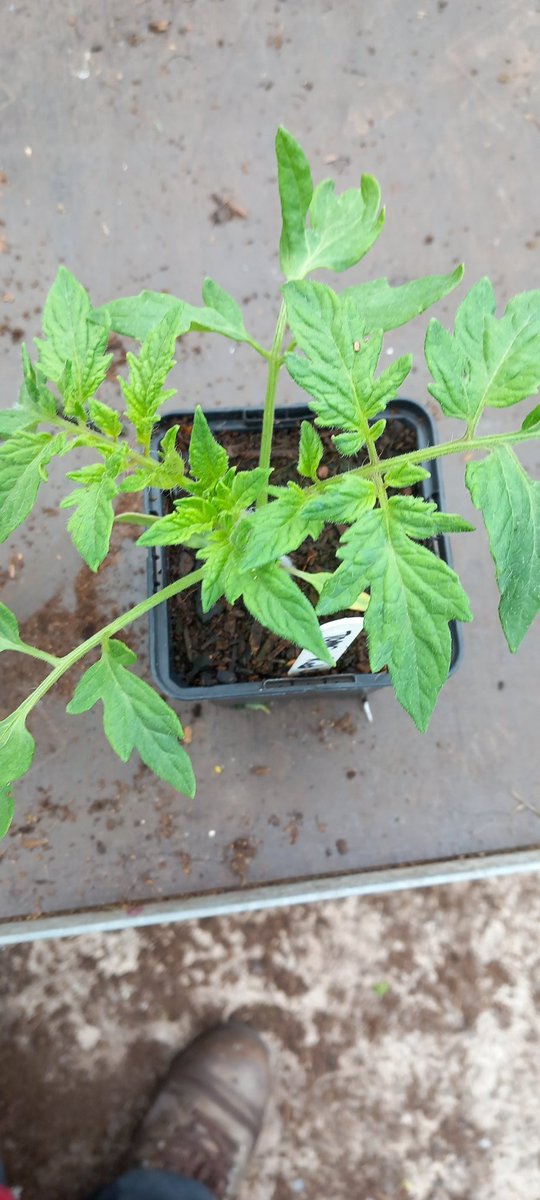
<point>177,679</point>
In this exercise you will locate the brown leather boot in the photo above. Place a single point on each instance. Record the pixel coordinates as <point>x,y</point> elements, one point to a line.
<point>209,1110</point>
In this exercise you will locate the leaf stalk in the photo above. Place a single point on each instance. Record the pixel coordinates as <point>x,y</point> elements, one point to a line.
<point>274,366</point>
<point>69,660</point>
<point>442,449</point>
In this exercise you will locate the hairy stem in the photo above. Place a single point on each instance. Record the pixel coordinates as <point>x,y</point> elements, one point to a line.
<point>317,581</point>
<point>97,440</point>
<point>33,652</point>
<point>260,349</point>
<point>461,446</point>
<point>132,614</point>
<point>375,463</point>
<point>274,365</point>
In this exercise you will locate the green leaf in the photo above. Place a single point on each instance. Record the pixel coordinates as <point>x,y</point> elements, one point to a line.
<point>274,530</point>
<point>193,517</point>
<point>34,394</point>
<point>9,629</point>
<point>7,810</point>
<point>343,228</point>
<point>105,418</point>
<point>91,524</point>
<point>207,459</point>
<point>327,329</point>
<point>35,402</point>
<point>223,574</point>
<point>166,473</point>
<point>311,451</point>
<point>153,476</point>
<point>526,304</point>
<point>222,314</point>
<point>73,353</point>
<point>343,500</point>
<point>413,596</point>
<point>377,428</point>
<point>144,390</point>
<point>405,474</point>
<point>80,379</point>
<point>532,420</point>
<point>338,370</point>
<point>17,748</point>
<point>340,590</point>
<point>23,462</point>
<point>339,230</point>
<point>217,554</point>
<point>137,316</point>
<point>384,307</point>
<point>510,505</point>
<point>486,361</point>
<point>167,444</point>
<point>272,597</point>
<point>65,318</point>
<point>171,464</point>
<point>247,486</point>
<point>14,419</point>
<point>348,444</point>
<point>135,717</point>
<point>422,519</point>
<point>295,193</point>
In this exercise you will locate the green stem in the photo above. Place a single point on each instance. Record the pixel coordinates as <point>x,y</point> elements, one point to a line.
<point>33,652</point>
<point>318,580</point>
<point>132,614</point>
<point>374,462</point>
<point>260,349</point>
<point>97,440</point>
<point>471,427</point>
<point>462,445</point>
<point>274,364</point>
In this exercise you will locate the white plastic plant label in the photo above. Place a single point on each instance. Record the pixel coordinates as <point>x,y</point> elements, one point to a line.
<point>338,635</point>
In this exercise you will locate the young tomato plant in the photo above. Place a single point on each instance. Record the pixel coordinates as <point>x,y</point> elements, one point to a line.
<point>240,525</point>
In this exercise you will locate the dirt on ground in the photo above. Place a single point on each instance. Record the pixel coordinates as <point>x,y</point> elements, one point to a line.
<point>404,1033</point>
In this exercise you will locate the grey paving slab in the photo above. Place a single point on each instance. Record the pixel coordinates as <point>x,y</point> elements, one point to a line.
<point>116,141</point>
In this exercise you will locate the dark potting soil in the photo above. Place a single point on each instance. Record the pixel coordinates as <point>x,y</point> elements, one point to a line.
<point>227,645</point>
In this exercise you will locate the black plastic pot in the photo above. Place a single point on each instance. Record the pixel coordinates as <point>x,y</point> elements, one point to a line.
<point>161,656</point>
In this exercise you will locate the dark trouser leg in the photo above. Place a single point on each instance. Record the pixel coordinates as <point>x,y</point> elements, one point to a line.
<point>148,1184</point>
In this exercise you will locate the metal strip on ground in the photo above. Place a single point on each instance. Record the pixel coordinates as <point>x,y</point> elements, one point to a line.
<point>370,883</point>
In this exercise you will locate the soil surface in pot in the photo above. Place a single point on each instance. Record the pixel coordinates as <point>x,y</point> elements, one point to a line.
<point>226,645</point>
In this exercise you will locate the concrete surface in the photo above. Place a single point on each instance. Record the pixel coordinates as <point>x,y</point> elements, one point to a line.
<point>117,139</point>
<point>426,1092</point>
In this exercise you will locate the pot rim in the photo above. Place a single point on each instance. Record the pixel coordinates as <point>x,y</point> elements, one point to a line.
<point>160,636</point>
